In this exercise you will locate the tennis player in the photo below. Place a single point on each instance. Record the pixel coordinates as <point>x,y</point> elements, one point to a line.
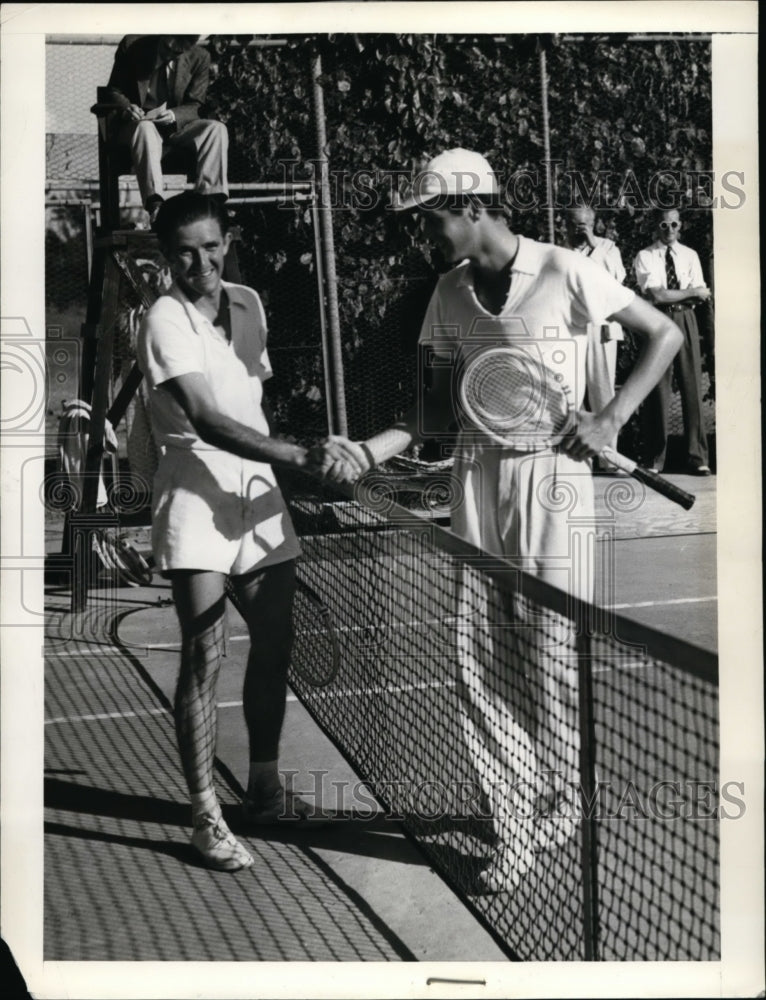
<point>217,511</point>
<point>503,288</point>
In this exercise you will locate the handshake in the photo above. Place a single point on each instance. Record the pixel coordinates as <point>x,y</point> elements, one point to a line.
<point>338,460</point>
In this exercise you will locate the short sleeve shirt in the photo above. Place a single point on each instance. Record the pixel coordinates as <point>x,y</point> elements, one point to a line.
<point>607,254</point>
<point>554,294</point>
<point>176,339</point>
<point>211,509</point>
<point>649,267</point>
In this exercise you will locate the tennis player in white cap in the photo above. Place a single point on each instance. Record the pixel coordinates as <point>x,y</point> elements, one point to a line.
<point>536,510</point>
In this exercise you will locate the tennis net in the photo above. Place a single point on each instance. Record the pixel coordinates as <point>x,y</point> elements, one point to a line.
<point>557,764</point>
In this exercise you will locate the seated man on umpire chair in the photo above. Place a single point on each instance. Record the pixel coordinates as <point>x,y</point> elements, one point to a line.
<point>158,83</point>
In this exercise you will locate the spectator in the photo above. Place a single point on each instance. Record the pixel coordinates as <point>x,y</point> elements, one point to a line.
<point>670,275</point>
<point>158,83</point>
<point>601,356</point>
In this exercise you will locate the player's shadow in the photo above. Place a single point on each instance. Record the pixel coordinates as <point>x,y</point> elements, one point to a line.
<point>184,853</point>
<point>347,831</point>
<point>71,797</point>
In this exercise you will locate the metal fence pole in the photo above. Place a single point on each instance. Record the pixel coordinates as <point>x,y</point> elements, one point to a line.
<point>328,382</point>
<point>547,146</point>
<point>325,215</point>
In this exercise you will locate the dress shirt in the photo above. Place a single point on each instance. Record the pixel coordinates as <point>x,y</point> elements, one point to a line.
<point>649,267</point>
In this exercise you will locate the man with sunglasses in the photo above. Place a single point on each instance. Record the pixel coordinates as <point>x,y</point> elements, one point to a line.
<point>670,275</point>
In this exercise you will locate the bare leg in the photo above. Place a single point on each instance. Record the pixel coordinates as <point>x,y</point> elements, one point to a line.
<point>266,601</point>
<point>199,599</point>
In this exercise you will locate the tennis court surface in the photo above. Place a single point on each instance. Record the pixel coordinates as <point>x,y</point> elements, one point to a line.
<point>405,706</point>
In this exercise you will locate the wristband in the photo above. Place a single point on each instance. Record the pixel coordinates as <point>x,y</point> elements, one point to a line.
<point>368,454</point>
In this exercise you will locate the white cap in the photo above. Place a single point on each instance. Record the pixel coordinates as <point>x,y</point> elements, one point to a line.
<point>451,174</point>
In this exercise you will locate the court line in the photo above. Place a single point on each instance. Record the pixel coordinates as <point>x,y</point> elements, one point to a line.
<point>660,604</point>
<point>351,629</point>
<point>121,649</point>
<point>143,713</point>
<point>103,716</point>
<point>448,620</point>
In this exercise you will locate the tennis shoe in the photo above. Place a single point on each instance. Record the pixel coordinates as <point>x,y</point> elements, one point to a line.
<point>218,846</point>
<point>505,871</point>
<point>283,806</point>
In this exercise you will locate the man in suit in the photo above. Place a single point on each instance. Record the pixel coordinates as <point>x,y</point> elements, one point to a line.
<point>158,83</point>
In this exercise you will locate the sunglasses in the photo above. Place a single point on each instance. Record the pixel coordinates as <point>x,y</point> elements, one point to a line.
<point>664,226</point>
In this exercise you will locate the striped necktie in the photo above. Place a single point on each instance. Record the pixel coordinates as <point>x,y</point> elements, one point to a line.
<point>670,270</point>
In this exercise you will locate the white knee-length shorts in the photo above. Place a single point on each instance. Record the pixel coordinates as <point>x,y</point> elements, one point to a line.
<point>214,511</point>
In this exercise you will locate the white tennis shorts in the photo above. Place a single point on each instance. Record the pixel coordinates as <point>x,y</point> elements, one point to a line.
<point>214,511</point>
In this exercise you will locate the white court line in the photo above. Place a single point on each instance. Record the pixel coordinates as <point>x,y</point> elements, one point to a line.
<point>148,647</point>
<point>127,649</point>
<point>101,716</point>
<point>660,604</point>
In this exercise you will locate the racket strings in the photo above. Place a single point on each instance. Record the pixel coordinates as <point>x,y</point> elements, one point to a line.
<point>512,398</point>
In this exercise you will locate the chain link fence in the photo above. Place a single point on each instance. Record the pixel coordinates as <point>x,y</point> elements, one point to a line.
<point>615,162</point>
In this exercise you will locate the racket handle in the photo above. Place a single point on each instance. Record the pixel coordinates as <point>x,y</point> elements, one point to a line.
<point>664,486</point>
<point>650,479</point>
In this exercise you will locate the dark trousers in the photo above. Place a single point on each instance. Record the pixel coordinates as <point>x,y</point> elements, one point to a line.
<point>688,368</point>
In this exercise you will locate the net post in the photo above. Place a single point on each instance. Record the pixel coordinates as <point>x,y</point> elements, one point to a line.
<point>588,789</point>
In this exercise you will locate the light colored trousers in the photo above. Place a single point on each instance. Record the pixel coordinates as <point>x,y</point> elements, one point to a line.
<point>518,678</point>
<point>206,142</point>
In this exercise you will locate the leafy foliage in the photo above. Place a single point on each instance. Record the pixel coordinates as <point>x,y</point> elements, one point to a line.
<point>621,112</point>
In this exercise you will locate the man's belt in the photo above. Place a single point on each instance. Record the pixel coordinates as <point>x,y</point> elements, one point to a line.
<point>675,307</point>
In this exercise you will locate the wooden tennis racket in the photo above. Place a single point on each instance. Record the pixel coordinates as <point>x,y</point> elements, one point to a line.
<point>518,402</point>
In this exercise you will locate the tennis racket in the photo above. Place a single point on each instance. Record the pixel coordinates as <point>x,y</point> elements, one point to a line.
<point>118,561</point>
<point>315,658</point>
<point>519,402</point>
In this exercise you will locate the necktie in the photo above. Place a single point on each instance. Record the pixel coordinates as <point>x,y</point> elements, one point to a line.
<point>670,270</point>
<point>162,84</point>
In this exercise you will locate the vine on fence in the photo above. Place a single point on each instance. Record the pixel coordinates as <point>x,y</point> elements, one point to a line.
<point>624,115</point>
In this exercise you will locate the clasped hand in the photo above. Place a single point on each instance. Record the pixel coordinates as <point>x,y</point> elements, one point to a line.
<point>337,460</point>
<point>590,435</point>
<point>165,116</point>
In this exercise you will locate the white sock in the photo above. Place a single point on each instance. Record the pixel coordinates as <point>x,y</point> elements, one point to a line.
<point>205,804</point>
<point>263,778</point>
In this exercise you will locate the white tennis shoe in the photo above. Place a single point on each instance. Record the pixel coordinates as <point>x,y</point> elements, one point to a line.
<point>219,848</point>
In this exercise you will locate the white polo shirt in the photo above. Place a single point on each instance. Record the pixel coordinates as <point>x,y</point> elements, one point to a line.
<point>176,339</point>
<point>554,294</point>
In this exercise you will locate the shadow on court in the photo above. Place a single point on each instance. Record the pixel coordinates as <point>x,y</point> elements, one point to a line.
<point>121,882</point>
